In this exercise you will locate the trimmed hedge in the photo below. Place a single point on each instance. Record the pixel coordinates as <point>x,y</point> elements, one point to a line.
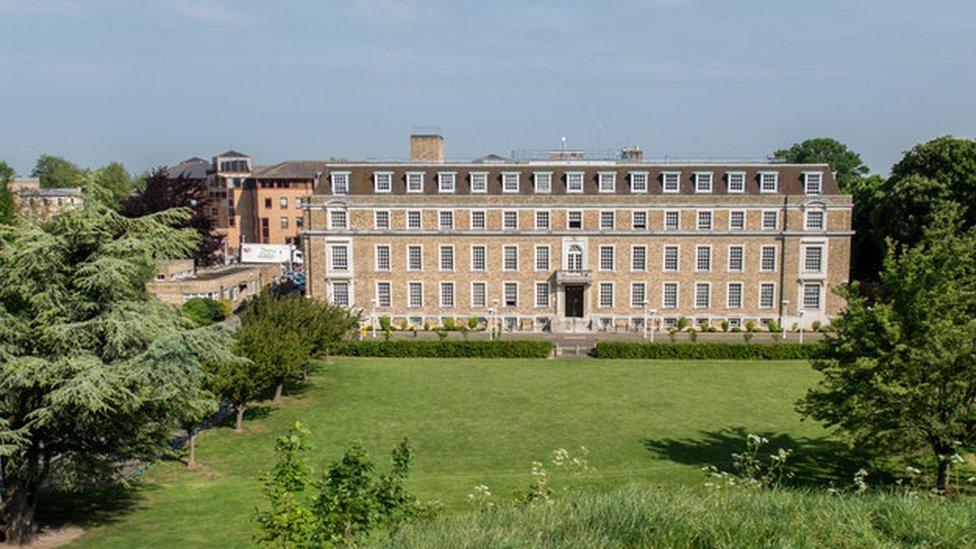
<point>698,351</point>
<point>447,349</point>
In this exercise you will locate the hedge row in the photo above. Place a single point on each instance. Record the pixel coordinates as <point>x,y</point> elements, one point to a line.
<point>447,349</point>
<point>697,351</point>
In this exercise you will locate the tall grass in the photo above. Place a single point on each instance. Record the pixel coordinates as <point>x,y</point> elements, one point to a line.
<point>638,516</point>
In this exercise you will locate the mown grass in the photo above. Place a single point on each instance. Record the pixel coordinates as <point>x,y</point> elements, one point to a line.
<point>639,516</point>
<point>479,422</point>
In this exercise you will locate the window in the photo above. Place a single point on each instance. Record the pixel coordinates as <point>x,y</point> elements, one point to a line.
<point>671,182</point>
<point>446,182</point>
<point>734,300</point>
<point>607,182</point>
<point>510,182</point>
<point>340,182</point>
<point>770,220</point>
<point>574,258</point>
<point>284,222</point>
<point>735,323</point>
<point>415,258</point>
<point>736,258</point>
<point>767,259</point>
<point>510,294</point>
<point>510,220</point>
<point>574,219</point>
<point>383,258</point>
<point>703,258</point>
<point>478,220</point>
<point>383,296</point>
<point>606,258</point>
<point>299,222</point>
<point>383,182</point>
<point>445,220</point>
<point>638,258</point>
<point>381,219</point>
<point>479,258</point>
<point>415,294</point>
<point>672,220</point>
<point>607,220</point>
<point>736,182</point>
<point>574,182</point>
<point>814,220</point>
<point>669,295</point>
<point>340,293</point>
<point>704,220</point>
<point>768,182</point>
<point>638,220</point>
<point>447,258</point>
<point>283,203</point>
<point>299,202</point>
<point>671,258</point>
<point>413,219</point>
<point>479,294</point>
<point>337,219</point>
<point>703,295</point>
<point>542,220</point>
<point>543,182</point>
<point>737,220</point>
<point>638,294</point>
<point>813,259</point>
<point>510,258</point>
<point>340,257</point>
<point>813,182</point>
<point>638,182</point>
<point>541,294</point>
<point>606,294</point>
<point>542,258</point>
<point>415,182</point>
<point>479,182</point>
<point>703,182</point>
<point>447,294</point>
<point>811,296</point>
<point>767,295</point>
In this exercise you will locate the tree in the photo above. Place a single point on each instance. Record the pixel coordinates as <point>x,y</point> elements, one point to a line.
<point>162,193</point>
<point>8,212</point>
<point>238,382</point>
<point>56,172</point>
<point>115,179</point>
<point>847,163</point>
<point>94,372</point>
<point>899,372</point>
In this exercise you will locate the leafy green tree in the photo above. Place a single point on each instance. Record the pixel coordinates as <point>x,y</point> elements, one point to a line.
<point>8,212</point>
<point>238,382</point>
<point>56,172</point>
<point>899,372</point>
<point>204,311</point>
<point>116,181</point>
<point>93,371</point>
<point>847,163</point>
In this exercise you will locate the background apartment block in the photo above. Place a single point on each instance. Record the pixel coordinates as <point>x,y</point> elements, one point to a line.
<point>570,244</point>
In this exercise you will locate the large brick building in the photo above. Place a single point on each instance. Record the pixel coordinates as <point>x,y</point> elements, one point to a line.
<point>570,244</point>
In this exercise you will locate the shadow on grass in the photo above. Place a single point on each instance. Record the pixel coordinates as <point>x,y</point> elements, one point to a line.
<point>89,507</point>
<point>815,462</point>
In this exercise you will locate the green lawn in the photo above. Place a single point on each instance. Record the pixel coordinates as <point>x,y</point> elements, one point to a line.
<point>475,421</point>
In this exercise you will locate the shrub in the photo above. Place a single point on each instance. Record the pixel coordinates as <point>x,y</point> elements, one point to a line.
<point>203,311</point>
<point>473,323</point>
<point>385,324</point>
<point>447,349</point>
<point>449,324</point>
<point>692,334</point>
<point>725,325</point>
<point>700,351</point>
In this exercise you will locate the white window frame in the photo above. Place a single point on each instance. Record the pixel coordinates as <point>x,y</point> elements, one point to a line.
<point>346,181</point>
<point>484,294</point>
<point>440,220</point>
<point>762,220</point>
<point>742,258</point>
<point>332,259</point>
<point>377,176</point>
<point>803,296</point>
<point>643,287</point>
<point>698,284</point>
<point>613,220</point>
<point>698,220</point>
<point>762,254</point>
<point>664,220</point>
<point>728,295</point>
<point>664,294</point>
<point>633,220</point>
<point>636,185</point>
<point>704,182</point>
<point>349,292</point>
<point>740,179</point>
<point>607,182</point>
<point>772,303</point>
<point>542,182</point>
<point>504,301</point>
<point>345,218</point>
<point>613,295</point>
<point>768,177</point>
<point>698,250</point>
<point>665,182</point>
<point>478,182</point>
<point>574,178</point>
<point>446,182</point>
<point>471,263</point>
<point>484,218</point>
<point>808,177</point>
<point>548,218</point>
<point>421,256</point>
<point>453,294</point>
<point>823,258</point>
<point>535,258</point>
<point>664,258</point>
<point>613,257</point>
<point>389,257</point>
<point>582,219</point>
<point>505,250</point>
<point>389,293</point>
<point>420,178</point>
<point>535,294</point>
<point>505,215</point>
<point>633,249</point>
<point>376,220</point>
<point>410,301</point>
<point>744,219</point>
<point>420,220</point>
<point>508,177</point>
<point>440,258</point>
<point>823,219</point>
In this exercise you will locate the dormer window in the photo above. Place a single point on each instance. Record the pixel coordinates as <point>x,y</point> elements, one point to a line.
<point>446,182</point>
<point>813,182</point>
<point>736,182</point>
<point>340,182</point>
<point>510,182</point>
<point>638,182</point>
<point>415,182</point>
<point>703,182</point>
<point>608,182</point>
<point>383,182</point>
<point>574,182</point>
<point>671,182</point>
<point>543,182</point>
<point>768,182</point>
<point>479,182</point>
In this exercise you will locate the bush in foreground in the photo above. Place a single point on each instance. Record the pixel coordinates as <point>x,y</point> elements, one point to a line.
<point>638,516</point>
<point>699,351</point>
<point>204,311</point>
<point>447,349</point>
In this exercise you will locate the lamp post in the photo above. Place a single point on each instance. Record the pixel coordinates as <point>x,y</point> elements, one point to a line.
<point>800,323</point>
<point>644,308</point>
<point>653,328</point>
<point>494,310</point>
<point>372,318</point>
<point>782,319</point>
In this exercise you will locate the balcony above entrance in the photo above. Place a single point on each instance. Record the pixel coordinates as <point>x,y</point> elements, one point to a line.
<point>574,277</point>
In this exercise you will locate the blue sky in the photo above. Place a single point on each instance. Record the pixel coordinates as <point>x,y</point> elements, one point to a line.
<point>153,82</point>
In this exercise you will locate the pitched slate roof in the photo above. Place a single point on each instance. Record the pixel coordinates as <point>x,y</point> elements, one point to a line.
<point>291,169</point>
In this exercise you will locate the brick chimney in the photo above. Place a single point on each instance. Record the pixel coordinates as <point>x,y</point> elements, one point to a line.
<point>426,148</point>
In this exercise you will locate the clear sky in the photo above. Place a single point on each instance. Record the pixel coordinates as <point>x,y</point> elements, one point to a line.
<point>152,82</point>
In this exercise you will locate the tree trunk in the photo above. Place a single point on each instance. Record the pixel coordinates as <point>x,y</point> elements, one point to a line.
<point>278,389</point>
<point>239,426</point>
<point>942,477</point>
<point>17,516</point>
<point>191,444</point>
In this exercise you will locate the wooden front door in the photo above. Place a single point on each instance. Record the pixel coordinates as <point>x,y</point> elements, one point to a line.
<point>574,301</point>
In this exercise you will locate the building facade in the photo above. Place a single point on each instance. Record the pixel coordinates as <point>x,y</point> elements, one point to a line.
<point>38,203</point>
<point>178,281</point>
<point>568,244</point>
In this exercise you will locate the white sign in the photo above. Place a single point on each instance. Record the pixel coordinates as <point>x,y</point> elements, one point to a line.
<point>269,253</point>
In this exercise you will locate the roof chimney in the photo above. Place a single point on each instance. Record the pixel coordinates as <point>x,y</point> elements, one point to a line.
<point>426,148</point>
<point>632,154</point>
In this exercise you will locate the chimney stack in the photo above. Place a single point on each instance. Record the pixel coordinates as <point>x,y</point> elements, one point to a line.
<point>632,154</point>
<point>426,148</point>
